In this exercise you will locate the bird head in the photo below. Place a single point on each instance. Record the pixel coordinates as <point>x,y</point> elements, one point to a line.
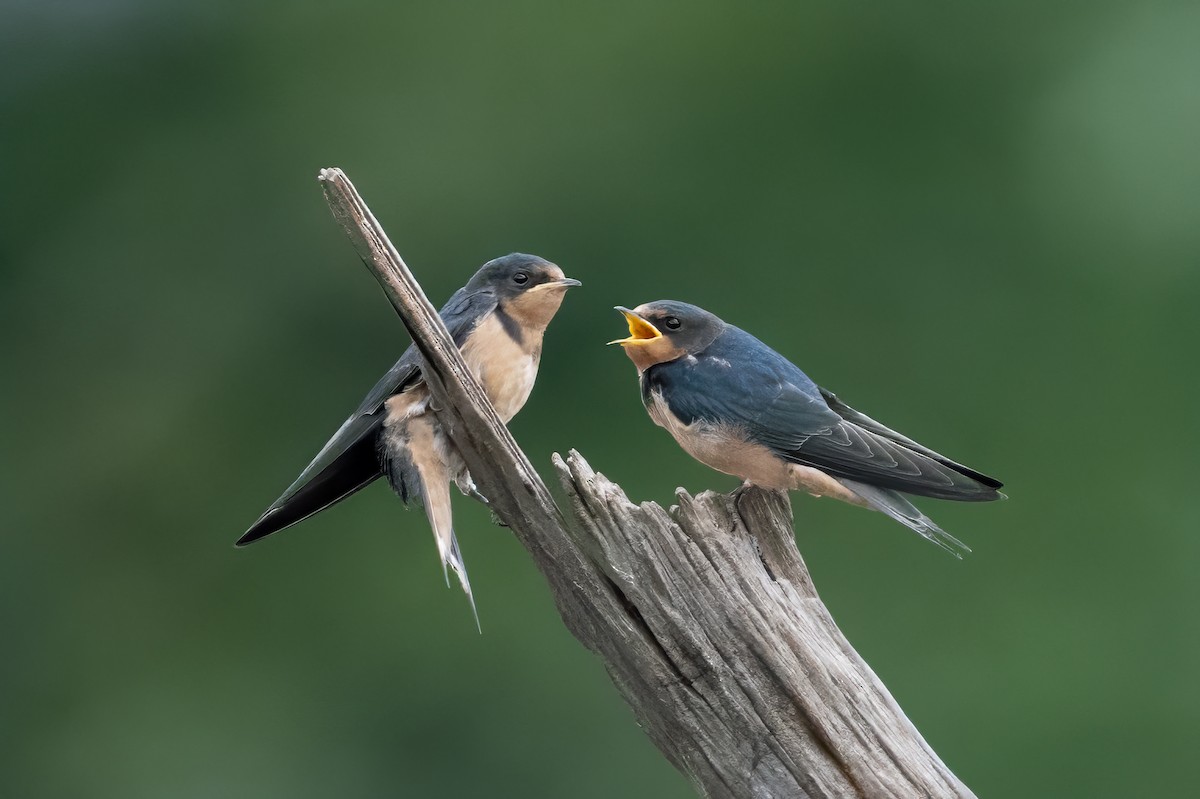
<point>665,330</point>
<point>528,288</point>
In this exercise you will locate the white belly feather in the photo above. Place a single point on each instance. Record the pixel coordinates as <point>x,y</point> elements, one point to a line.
<point>727,450</point>
<point>722,447</point>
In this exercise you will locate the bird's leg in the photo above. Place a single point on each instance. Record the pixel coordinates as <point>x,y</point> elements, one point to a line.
<point>743,488</point>
<point>737,494</point>
<point>468,488</point>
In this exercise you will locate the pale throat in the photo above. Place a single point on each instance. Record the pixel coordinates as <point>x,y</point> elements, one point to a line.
<point>647,353</point>
<point>534,309</point>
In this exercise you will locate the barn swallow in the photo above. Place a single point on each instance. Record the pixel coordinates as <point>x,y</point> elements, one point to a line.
<point>497,321</point>
<point>736,405</point>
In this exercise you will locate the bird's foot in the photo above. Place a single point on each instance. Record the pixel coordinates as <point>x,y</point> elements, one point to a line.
<point>742,489</point>
<point>468,488</point>
<point>739,492</point>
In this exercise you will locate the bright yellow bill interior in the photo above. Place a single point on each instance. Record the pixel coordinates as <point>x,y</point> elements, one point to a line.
<point>639,330</point>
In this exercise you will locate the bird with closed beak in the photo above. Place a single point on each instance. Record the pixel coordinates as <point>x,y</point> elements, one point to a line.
<point>497,321</point>
<point>738,406</point>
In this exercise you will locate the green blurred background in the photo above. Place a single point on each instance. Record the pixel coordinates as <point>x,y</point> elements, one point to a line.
<point>977,224</point>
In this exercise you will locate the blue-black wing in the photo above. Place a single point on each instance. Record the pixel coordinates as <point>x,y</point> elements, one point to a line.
<point>349,461</point>
<point>867,423</point>
<point>741,382</point>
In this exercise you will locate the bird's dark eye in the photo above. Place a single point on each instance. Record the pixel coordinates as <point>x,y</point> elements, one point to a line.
<point>672,323</point>
<point>521,278</point>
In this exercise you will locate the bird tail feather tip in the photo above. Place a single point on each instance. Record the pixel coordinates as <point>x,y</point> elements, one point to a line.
<point>437,508</point>
<point>895,506</point>
<point>454,559</point>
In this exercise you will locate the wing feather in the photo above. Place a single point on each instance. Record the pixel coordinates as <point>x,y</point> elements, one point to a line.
<point>460,313</point>
<point>742,382</point>
<point>348,461</point>
<point>867,423</point>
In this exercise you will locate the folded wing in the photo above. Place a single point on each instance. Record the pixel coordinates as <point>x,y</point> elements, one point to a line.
<point>349,461</point>
<point>746,384</point>
<point>867,423</point>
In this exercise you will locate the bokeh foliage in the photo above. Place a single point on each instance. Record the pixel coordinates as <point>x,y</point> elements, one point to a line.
<point>976,222</point>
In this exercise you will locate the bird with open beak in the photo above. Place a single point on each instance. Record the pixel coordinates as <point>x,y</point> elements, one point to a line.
<point>736,405</point>
<point>497,320</point>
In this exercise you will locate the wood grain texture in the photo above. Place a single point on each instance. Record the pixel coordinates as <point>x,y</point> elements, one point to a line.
<point>704,616</point>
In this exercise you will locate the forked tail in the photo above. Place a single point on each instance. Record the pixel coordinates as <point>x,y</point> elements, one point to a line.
<point>897,507</point>
<point>436,498</point>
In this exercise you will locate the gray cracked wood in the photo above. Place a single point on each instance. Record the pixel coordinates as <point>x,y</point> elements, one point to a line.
<point>705,616</point>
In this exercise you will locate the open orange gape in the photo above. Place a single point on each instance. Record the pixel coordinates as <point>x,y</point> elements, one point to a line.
<point>640,330</point>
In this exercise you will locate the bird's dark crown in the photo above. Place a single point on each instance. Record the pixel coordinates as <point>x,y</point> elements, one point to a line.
<point>689,327</point>
<point>528,291</point>
<point>514,274</point>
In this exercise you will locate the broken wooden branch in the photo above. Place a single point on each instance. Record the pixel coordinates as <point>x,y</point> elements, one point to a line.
<point>705,616</point>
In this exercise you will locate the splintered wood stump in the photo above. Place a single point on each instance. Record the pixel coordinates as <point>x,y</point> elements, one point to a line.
<point>728,656</point>
<point>705,616</point>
